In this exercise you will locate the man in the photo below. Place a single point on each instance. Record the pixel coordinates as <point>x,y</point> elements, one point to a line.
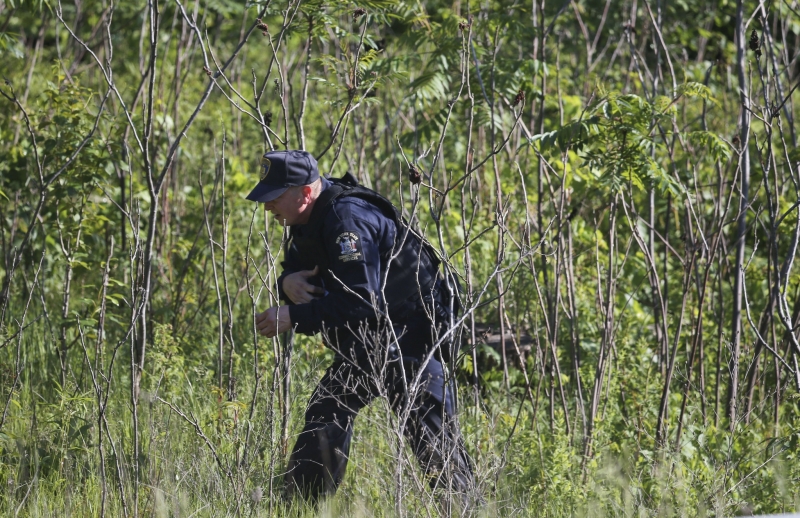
<point>355,272</point>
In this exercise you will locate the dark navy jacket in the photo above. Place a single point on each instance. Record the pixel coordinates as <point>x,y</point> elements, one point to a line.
<point>356,235</point>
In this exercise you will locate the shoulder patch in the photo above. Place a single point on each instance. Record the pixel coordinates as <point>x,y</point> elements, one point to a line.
<point>349,247</point>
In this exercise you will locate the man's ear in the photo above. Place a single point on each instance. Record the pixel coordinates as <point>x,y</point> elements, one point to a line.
<point>308,192</point>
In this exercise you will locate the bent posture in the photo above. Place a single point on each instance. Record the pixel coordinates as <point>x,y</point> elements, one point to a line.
<point>355,272</point>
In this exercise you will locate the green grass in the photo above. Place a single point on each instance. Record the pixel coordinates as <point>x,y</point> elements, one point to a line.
<point>49,463</point>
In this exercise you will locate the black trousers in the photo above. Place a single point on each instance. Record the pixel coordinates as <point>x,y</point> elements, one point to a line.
<point>319,458</point>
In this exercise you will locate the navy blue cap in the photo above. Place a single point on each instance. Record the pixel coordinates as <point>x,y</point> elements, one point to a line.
<point>281,170</point>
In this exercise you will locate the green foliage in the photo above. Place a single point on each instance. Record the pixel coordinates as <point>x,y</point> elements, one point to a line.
<point>167,366</point>
<point>537,136</point>
<point>718,150</point>
<point>430,85</point>
<point>10,46</point>
<point>616,144</point>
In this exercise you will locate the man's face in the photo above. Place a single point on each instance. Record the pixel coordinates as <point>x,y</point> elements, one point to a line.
<point>287,209</point>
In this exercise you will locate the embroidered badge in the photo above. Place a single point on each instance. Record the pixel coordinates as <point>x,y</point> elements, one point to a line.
<point>265,165</point>
<point>349,247</point>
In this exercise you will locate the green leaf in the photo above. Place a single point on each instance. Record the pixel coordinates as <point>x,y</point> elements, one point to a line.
<point>574,135</point>
<point>717,148</point>
<point>693,89</point>
<point>662,180</point>
<point>431,85</point>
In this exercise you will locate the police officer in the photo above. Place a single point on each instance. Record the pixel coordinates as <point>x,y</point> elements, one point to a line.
<point>355,272</point>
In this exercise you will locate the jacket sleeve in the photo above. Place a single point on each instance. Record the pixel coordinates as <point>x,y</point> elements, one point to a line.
<point>281,293</point>
<point>354,237</point>
<point>289,266</point>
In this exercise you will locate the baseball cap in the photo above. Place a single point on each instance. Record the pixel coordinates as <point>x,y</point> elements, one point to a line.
<point>281,170</point>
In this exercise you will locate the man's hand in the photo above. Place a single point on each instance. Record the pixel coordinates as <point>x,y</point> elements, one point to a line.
<point>298,289</point>
<point>273,321</point>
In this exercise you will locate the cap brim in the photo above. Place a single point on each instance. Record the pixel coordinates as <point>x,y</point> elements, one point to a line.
<point>264,193</point>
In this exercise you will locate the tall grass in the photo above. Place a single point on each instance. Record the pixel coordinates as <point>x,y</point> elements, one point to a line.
<point>49,462</point>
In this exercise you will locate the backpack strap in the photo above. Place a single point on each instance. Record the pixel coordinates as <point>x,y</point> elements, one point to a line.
<point>415,265</point>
